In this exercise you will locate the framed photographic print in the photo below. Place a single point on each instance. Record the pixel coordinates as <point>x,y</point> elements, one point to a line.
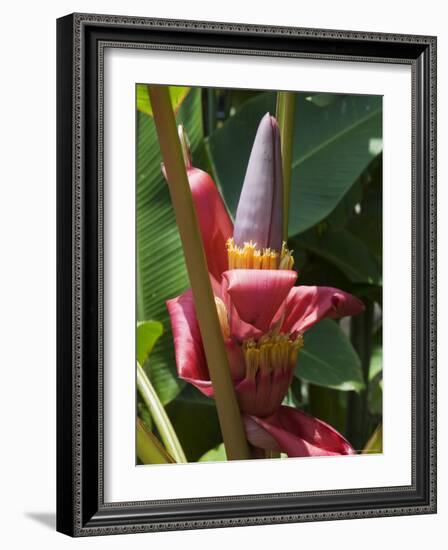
<point>246,274</point>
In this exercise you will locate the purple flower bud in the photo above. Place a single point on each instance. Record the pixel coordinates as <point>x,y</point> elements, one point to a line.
<point>259,215</point>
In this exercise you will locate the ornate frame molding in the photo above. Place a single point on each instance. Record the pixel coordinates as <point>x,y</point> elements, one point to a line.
<point>81,42</point>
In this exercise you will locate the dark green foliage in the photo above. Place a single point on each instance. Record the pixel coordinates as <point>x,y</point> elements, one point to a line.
<point>335,231</point>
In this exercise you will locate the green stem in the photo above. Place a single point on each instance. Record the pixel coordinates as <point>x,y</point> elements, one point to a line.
<point>286,107</point>
<point>361,327</point>
<point>211,110</point>
<point>149,449</point>
<point>226,403</point>
<point>158,414</point>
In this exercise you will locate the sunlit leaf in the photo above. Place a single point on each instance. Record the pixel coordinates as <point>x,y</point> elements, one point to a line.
<point>376,362</point>
<point>148,332</point>
<point>375,443</point>
<point>158,413</point>
<point>177,95</point>
<point>217,454</point>
<point>322,100</point>
<point>149,448</point>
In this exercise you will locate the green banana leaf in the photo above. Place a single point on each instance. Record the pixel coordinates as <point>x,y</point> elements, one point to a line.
<point>328,358</point>
<point>346,251</point>
<point>149,448</point>
<point>148,332</point>
<point>195,421</point>
<point>161,272</point>
<point>331,151</point>
<point>217,454</point>
<point>375,444</point>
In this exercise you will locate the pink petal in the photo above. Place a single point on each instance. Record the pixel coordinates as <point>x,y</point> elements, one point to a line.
<point>241,330</point>
<point>190,356</point>
<point>246,392</point>
<point>189,351</point>
<point>253,297</point>
<point>306,305</point>
<point>214,221</point>
<point>295,433</point>
<point>236,359</point>
<point>263,395</point>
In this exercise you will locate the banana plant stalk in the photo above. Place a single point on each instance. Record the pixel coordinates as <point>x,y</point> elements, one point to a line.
<point>158,414</point>
<point>226,403</point>
<point>286,107</point>
<point>285,111</point>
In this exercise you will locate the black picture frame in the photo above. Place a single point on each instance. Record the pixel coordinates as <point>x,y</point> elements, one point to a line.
<point>81,39</point>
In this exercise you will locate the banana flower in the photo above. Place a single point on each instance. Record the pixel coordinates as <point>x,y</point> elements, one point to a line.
<point>262,313</point>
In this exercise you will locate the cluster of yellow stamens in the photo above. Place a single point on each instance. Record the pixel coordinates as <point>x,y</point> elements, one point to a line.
<point>251,257</point>
<point>271,352</point>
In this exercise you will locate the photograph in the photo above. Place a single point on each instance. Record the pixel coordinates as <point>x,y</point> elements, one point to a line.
<point>221,253</point>
<point>246,221</point>
<point>283,214</point>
